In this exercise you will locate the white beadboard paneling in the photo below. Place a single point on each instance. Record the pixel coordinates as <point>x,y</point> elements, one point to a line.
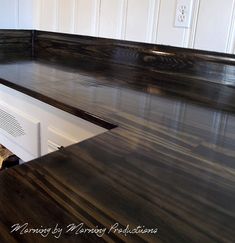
<point>167,33</point>
<point>110,18</point>
<point>9,14</point>
<point>36,12</point>
<point>213,25</point>
<point>191,32</point>
<point>85,14</point>
<point>231,38</point>
<point>137,20</point>
<point>49,15</point>
<point>66,15</point>
<point>122,27</point>
<point>153,17</point>
<point>25,14</point>
<point>142,20</point>
<point>96,18</point>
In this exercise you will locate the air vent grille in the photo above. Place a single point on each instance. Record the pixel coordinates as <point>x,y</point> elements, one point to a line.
<point>9,124</point>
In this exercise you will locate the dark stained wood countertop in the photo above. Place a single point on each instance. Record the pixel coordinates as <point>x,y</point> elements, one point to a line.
<point>167,163</point>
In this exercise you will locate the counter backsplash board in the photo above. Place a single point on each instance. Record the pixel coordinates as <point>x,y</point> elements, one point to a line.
<point>203,65</point>
<point>16,44</point>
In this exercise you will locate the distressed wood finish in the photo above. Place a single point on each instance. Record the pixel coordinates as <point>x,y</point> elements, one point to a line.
<point>16,44</point>
<point>184,63</point>
<point>169,163</point>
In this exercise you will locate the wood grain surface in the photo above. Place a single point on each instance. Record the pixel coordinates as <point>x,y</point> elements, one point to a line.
<point>168,161</point>
<point>15,44</point>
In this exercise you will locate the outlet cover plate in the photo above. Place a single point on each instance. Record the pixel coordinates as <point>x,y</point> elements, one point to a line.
<point>183,13</point>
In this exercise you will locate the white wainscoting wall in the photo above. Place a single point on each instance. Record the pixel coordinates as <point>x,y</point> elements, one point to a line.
<point>212,21</point>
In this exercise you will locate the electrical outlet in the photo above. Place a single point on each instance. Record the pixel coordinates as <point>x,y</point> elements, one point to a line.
<point>183,13</point>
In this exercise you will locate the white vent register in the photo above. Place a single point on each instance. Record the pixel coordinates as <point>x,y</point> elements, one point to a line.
<point>31,128</point>
<point>10,124</point>
<point>20,130</point>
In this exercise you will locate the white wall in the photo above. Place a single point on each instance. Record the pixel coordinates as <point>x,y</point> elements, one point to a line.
<point>212,23</point>
<point>16,14</point>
